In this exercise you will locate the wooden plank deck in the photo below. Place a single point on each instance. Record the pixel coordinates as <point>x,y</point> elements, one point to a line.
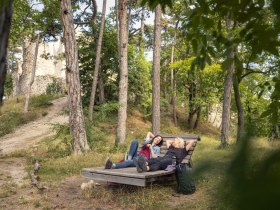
<point>130,175</point>
<point>124,175</point>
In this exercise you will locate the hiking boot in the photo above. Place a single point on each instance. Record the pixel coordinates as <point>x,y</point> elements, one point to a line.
<point>135,161</point>
<point>142,163</point>
<point>108,164</point>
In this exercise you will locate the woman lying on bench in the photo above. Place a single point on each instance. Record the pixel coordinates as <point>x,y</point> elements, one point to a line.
<point>176,148</point>
<point>150,149</point>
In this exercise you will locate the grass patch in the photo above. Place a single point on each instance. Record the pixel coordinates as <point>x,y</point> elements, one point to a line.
<point>12,115</point>
<point>7,190</point>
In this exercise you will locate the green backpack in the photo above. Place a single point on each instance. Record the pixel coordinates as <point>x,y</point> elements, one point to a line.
<point>185,181</point>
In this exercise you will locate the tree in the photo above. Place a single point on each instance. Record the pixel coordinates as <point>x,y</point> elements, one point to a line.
<point>76,118</point>
<point>123,85</point>
<point>156,72</point>
<point>97,62</point>
<point>32,74</point>
<point>5,23</point>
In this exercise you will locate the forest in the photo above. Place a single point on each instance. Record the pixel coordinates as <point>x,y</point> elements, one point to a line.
<point>117,69</point>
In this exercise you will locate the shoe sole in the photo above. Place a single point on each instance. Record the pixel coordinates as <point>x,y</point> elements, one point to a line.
<point>139,170</point>
<point>142,163</point>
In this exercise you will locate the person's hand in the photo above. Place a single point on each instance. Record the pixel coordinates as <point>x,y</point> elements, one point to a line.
<point>148,145</point>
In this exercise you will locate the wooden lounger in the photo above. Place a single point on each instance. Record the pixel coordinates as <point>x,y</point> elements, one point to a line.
<point>130,176</point>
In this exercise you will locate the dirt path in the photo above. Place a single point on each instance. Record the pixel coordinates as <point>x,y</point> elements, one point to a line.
<point>35,131</point>
<point>12,169</point>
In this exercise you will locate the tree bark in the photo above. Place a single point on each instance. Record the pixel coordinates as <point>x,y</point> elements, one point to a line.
<point>142,28</point>
<point>32,75</point>
<point>198,113</point>
<point>156,72</point>
<point>227,94</point>
<point>192,95</point>
<point>129,17</point>
<point>76,118</point>
<point>97,63</point>
<point>172,77</point>
<point>240,111</point>
<point>6,12</point>
<point>123,85</point>
<point>101,89</point>
<point>94,11</point>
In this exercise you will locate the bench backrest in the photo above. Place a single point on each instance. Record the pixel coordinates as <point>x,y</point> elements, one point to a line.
<point>186,138</point>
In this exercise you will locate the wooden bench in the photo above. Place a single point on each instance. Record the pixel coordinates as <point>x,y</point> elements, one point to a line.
<point>131,177</point>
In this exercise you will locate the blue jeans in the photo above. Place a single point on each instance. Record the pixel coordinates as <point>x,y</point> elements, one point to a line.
<point>131,154</point>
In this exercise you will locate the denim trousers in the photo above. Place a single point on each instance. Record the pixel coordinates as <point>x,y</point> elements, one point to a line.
<point>131,154</point>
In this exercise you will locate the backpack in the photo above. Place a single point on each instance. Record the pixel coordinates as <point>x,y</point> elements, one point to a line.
<point>185,181</point>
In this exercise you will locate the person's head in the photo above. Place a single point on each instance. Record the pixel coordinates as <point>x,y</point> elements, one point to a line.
<point>157,140</point>
<point>178,143</point>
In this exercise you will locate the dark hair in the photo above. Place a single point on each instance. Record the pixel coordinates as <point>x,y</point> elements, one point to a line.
<point>160,143</point>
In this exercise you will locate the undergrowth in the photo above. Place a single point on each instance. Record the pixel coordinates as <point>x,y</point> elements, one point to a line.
<point>12,115</point>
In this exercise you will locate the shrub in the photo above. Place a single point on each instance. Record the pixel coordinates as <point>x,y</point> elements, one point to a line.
<point>54,87</point>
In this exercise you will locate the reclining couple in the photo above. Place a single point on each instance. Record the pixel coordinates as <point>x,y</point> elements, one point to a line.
<point>148,158</point>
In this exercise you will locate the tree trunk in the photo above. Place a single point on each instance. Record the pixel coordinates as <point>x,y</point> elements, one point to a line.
<point>97,63</point>
<point>76,118</point>
<point>227,94</point>
<point>94,11</point>
<point>192,95</point>
<point>6,12</point>
<point>156,73</point>
<point>142,29</point>
<point>198,113</point>
<point>32,75</point>
<point>174,101</point>
<point>101,89</point>
<point>240,111</point>
<point>123,86</point>
<point>172,77</point>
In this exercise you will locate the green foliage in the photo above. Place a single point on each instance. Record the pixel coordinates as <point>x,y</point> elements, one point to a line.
<point>12,115</point>
<point>60,145</point>
<point>10,120</point>
<point>109,62</point>
<point>54,87</point>
<point>253,176</point>
<point>41,101</point>
<point>103,111</point>
<point>8,85</point>
<point>139,79</point>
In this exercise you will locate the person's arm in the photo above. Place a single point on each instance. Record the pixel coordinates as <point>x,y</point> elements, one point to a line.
<point>149,135</point>
<point>189,144</point>
<point>168,143</point>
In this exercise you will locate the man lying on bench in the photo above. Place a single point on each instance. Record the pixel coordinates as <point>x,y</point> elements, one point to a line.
<point>177,148</point>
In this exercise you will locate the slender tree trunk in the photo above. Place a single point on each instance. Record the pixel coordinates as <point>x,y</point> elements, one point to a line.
<point>97,63</point>
<point>192,95</point>
<point>76,118</point>
<point>32,75</point>
<point>227,93</point>
<point>6,11</point>
<point>94,11</point>
<point>174,100</point>
<point>123,86</point>
<point>240,111</point>
<point>156,73</point>
<point>172,77</point>
<point>101,89</point>
<point>142,29</point>
<point>198,113</point>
